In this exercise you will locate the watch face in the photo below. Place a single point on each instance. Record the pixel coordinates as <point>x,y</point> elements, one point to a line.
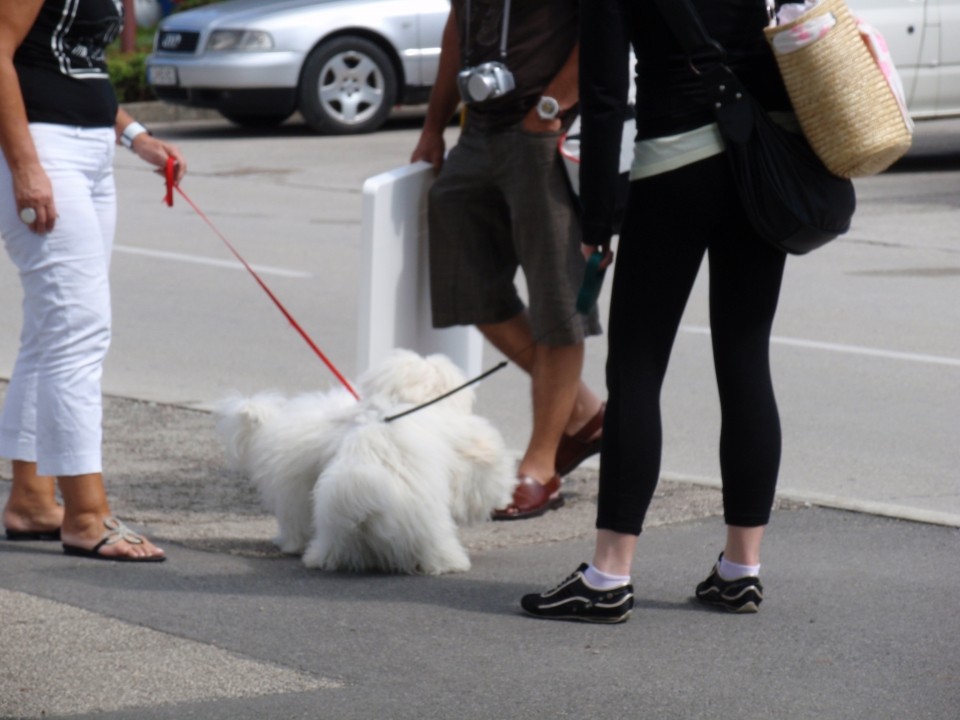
<point>548,108</point>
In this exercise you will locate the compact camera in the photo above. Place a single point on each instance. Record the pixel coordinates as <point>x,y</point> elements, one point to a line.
<point>485,82</point>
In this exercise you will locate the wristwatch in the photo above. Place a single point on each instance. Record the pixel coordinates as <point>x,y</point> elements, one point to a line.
<point>548,108</point>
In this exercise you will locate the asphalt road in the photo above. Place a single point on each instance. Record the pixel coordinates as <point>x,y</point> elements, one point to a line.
<point>859,618</point>
<point>866,354</point>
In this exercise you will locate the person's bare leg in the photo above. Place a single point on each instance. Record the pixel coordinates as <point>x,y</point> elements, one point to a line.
<point>613,553</point>
<point>514,339</point>
<point>743,545</point>
<point>554,380</point>
<point>32,505</point>
<point>86,505</point>
<point>556,389</point>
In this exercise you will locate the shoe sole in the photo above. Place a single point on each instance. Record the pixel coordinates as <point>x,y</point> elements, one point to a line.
<point>745,609</point>
<point>33,535</point>
<point>582,618</point>
<point>554,504</point>
<point>74,551</point>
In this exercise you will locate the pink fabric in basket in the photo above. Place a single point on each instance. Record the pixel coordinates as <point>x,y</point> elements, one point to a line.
<point>881,53</point>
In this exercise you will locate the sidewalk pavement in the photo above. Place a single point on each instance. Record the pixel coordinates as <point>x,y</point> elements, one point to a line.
<point>860,618</point>
<point>859,621</point>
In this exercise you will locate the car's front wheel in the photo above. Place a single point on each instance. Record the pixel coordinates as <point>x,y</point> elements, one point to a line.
<point>348,86</point>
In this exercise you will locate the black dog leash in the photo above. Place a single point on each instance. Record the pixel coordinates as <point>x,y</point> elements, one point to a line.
<point>499,366</point>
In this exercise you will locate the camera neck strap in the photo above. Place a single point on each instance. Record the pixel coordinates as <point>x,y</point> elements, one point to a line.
<point>504,23</point>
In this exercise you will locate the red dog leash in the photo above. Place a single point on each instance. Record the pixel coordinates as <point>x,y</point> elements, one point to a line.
<point>169,173</point>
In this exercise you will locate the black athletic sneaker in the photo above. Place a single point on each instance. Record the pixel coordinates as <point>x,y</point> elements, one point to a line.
<point>573,599</point>
<point>742,595</point>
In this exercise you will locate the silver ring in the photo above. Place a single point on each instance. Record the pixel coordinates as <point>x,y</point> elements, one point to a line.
<point>28,215</point>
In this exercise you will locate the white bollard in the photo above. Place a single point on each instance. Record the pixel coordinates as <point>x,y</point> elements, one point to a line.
<point>394,307</point>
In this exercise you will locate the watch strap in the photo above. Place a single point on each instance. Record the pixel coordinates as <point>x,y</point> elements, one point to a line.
<point>131,132</point>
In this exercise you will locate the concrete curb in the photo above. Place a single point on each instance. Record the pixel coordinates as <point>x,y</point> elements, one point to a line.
<point>157,111</point>
<point>835,502</point>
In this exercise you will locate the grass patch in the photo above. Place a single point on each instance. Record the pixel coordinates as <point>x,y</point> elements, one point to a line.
<point>128,69</point>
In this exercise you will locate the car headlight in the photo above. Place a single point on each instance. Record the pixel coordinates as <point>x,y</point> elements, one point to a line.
<point>251,40</point>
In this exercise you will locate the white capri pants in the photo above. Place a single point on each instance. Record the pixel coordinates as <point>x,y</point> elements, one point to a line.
<point>53,410</point>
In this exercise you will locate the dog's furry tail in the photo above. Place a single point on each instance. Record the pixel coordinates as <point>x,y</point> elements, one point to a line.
<point>347,503</point>
<point>238,419</point>
<point>366,518</point>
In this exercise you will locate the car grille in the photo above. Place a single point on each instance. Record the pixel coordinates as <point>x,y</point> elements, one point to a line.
<point>177,42</point>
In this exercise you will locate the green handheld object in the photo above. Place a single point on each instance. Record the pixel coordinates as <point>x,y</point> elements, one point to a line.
<point>592,280</point>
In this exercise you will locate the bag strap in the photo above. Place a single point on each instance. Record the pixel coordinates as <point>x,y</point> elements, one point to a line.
<point>725,93</point>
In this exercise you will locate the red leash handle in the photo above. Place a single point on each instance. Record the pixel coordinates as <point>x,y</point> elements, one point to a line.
<point>168,199</point>
<point>169,173</point>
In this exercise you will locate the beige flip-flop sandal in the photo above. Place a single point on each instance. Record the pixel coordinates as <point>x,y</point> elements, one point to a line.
<point>116,532</point>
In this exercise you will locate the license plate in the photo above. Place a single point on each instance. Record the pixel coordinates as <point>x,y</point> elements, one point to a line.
<point>161,75</point>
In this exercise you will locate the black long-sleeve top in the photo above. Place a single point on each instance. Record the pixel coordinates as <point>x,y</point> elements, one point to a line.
<point>670,98</point>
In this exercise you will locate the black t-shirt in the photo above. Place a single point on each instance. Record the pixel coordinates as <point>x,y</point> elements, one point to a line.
<point>541,35</point>
<point>62,66</point>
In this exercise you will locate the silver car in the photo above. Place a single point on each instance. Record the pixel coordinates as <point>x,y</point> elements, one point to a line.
<point>342,63</point>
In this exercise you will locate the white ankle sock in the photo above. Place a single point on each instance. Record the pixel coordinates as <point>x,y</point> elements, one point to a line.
<point>603,581</point>
<point>731,570</point>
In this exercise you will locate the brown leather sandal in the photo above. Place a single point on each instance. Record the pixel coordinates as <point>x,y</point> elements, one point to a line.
<point>574,449</point>
<point>531,498</point>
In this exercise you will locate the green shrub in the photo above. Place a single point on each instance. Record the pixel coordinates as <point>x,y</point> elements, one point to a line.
<point>128,70</point>
<point>129,77</point>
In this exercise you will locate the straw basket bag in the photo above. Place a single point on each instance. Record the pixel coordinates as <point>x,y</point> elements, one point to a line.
<point>846,105</point>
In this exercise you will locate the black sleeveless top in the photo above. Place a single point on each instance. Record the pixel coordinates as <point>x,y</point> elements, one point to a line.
<point>62,65</point>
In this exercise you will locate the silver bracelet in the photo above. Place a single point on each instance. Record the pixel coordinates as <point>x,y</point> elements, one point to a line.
<point>131,132</point>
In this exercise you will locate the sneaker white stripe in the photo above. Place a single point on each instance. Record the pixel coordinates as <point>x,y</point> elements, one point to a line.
<point>744,591</point>
<point>581,599</point>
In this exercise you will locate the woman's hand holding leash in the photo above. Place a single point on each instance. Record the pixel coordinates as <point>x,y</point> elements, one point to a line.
<point>135,136</point>
<point>157,152</point>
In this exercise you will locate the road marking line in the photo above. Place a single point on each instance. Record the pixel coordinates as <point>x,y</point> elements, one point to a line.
<point>198,260</point>
<point>849,349</point>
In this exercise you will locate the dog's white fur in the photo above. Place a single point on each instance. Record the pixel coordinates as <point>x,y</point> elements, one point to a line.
<point>352,492</point>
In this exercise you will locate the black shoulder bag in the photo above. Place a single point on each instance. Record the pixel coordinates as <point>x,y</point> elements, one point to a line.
<point>791,198</point>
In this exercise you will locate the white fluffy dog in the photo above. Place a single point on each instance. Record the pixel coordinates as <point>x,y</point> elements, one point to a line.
<point>353,492</point>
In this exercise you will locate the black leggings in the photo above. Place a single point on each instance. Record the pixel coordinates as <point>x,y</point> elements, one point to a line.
<point>672,220</point>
